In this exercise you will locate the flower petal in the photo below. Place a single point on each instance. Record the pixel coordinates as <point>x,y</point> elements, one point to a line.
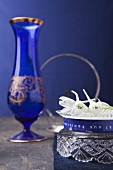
<point>64,111</point>
<point>79,108</point>
<point>66,102</point>
<point>76,94</point>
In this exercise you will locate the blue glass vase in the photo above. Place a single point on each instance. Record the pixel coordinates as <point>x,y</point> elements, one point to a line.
<point>26,94</point>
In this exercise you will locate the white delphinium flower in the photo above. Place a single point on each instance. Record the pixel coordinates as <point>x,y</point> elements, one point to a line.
<point>67,103</point>
<point>105,106</point>
<point>79,108</point>
<point>96,107</point>
<point>107,110</point>
<point>72,107</point>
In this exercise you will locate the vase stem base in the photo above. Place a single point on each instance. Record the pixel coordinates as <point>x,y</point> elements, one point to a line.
<point>27,137</point>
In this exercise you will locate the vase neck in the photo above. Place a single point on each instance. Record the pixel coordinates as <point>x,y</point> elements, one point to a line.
<point>26,42</point>
<point>26,47</point>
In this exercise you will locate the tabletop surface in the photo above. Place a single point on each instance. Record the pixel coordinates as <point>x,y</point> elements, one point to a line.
<point>25,156</point>
<point>35,155</point>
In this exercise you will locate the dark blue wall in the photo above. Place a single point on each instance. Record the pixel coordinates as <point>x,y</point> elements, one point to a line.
<point>83,27</point>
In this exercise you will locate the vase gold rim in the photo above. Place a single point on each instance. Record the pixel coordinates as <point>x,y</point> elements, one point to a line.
<point>29,19</point>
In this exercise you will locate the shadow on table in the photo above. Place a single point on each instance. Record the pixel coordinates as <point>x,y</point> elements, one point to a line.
<point>61,163</point>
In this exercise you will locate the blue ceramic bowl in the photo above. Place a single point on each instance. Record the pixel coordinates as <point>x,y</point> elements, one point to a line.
<point>89,125</point>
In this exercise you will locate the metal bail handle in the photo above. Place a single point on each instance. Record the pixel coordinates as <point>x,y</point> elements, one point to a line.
<point>81,58</point>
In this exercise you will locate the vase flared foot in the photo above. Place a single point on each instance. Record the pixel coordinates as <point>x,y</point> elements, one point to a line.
<point>27,136</point>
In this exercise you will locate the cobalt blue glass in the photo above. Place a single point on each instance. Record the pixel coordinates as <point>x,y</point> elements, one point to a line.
<point>26,94</point>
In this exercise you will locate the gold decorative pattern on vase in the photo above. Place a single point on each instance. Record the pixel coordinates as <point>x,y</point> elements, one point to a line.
<point>22,86</point>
